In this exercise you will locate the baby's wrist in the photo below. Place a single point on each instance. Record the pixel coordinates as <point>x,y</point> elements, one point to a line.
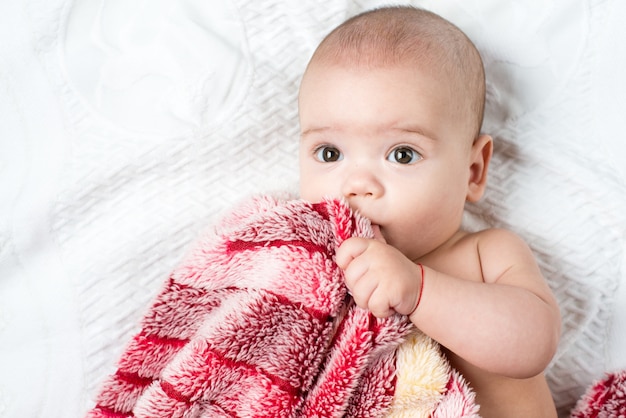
<point>421,290</point>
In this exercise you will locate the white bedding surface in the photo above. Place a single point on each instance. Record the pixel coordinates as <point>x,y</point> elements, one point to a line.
<point>126,127</point>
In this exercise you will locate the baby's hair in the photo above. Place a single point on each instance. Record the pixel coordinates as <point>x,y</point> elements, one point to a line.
<point>399,34</point>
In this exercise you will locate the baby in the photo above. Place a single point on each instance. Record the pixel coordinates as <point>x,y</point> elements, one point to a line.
<point>391,106</point>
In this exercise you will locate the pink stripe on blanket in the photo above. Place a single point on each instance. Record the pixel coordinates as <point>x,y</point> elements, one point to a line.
<point>253,245</point>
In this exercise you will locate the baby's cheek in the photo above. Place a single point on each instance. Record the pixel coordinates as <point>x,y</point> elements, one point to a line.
<point>315,188</point>
<point>305,187</point>
<point>310,193</point>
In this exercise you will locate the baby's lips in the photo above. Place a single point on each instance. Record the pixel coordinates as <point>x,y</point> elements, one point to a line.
<point>377,234</point>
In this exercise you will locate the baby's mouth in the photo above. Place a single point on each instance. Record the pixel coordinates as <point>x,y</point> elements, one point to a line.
<point>378,235</point>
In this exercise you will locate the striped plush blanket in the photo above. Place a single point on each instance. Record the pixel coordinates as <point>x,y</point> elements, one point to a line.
<point>256,322</point>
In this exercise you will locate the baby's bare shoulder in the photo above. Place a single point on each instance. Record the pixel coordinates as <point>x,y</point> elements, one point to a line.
<point>487,240</point>
<point>498,240</point>
<point>494,234</point>
<point>503,253</point>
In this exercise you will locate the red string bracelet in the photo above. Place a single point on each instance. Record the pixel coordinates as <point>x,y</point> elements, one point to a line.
<point>419,298</point>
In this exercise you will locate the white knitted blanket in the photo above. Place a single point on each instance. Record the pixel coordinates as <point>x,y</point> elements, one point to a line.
<point>127,127</point>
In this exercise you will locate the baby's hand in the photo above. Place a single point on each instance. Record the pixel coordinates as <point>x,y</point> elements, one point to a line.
<point>379,276</point>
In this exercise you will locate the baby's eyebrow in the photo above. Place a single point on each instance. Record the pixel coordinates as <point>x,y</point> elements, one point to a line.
<point>403,129</point>
<point>415,129</point>
<point>311,131</point>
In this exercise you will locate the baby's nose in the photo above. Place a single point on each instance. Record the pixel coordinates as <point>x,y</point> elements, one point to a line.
<point>362,182</point>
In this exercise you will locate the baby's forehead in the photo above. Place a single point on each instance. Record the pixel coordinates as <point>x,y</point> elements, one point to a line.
<point>362,66</point>
<point>435,60</point>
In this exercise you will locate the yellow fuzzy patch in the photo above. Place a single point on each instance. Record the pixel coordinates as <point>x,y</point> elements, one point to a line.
<point>422,375</point>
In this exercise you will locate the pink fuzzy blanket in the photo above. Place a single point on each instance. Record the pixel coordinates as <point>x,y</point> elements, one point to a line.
<point>256,322</point>
<point>606,398</point>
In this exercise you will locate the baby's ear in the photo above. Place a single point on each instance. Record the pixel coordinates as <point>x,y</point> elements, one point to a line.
<point>480,156</point>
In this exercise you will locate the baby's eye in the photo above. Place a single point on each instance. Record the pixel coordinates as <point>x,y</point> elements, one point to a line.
<point>404,155</point>
<point>328,154</point>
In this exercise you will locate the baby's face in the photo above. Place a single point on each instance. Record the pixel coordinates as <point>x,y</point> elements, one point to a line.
<point>388,141</point>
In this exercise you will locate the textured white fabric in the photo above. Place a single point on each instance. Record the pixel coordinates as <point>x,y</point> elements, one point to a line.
<point>127,126</point>
<point>609,100</point>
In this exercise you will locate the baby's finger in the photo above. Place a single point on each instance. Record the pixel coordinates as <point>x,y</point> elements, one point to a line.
<point>359,283</point>
<point>349,250</point>
<point>378,304</point>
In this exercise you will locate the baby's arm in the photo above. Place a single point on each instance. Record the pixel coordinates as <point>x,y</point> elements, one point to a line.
<point>508,323</point>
